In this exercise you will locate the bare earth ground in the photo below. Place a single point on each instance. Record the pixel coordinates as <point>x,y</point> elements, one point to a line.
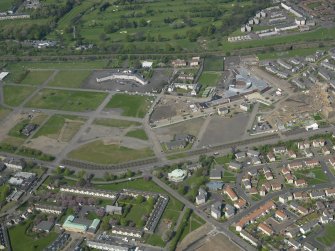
<point>11,120</point>
<point>218,243</point>
<point>200,240</point>
<point>113,135</point>
<point>167,133</point>
<point>222,130</point>
<point>46,144</point>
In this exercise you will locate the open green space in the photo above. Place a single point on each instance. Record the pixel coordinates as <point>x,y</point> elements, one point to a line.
<point>3,112</point>
<point>79,101</point>
<point>70,79</point>
<point>136,184</point>
<point>16,130</point>
<point>15,95</point>
<point>53,65</point>
<point>212,63</point>
<point>155,240</point>
<point>209,78</point>
<point>60,127</point>
<point>131,105</point>
<point>138,134</point>
<point>98,152</point>
<point>20,240</point>
<point>4,192</point>
<point>36,77</point>
<point>5,5</point>
<point>116,123</point>
<point>312,176</point>
<point>328,238</point>
<point>288,53</point>
<point>129,27</point>
<point>194,222</point>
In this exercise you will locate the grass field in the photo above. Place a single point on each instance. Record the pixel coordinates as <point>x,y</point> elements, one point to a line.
<point>70,79</point>
<point>61,127</point>
<point>5,5</point>
<point>79,101</point>
<point>139,134</point>
<point>208,78</point>
<point>329,237</point>
<point>16,130</point>
<point>21,241</point>
<point>60,65</point>
<point>213,63</point>
<point>162,22</point>
<point>131,105</point>
<point>98,152</point>
<point>15,95</point>
<point>116,123</point>
<point>320,176</point>
<point>3,112</point>
<point>136,184</point>
<point>36,77</point>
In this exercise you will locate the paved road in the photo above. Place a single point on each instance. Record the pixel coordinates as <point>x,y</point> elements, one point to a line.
<point>72,144</point>
<point>219,226</point>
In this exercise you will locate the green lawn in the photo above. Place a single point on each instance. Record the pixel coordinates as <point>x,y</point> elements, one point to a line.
<point>139,134</point>
<point>3,112</point>
<point>4,191</point>
<point>98,152</point>
<point>136,184</point>
<point>320,176</point>
<point>15,95</point>
<point>36,77</point>
<point>213,63</point>
<point>131,105</point>
<point>5,5</point>
<point>57,124</point>
<point>208,78</point>
<point>21,241</point>
<point>60,65</point>
<point>116,123</point>
<point>79,101</point>
<point>155,240</point>
<point>329,237</point>
<point>16,130</point>
<point>70,79</point>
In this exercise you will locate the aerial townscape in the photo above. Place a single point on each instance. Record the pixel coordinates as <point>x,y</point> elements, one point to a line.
<point>187,125</point>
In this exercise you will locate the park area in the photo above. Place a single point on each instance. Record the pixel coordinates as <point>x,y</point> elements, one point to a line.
<point>79,101</point>
<point>327,235</point>
<point>22,238</point>
<point>101,153</point>
<point>130,105</point>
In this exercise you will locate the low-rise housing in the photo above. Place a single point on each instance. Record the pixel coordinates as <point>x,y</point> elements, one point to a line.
<point>216,210</point>
<point>233,165</point>
<point>201,197</point>
<point>265,229</point>
<point>300,183</point>
<point>248,237</point>
<point>280,215</point>
<point>271,157</point>
<point>231,194</point>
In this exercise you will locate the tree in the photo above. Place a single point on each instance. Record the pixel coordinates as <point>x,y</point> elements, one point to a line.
<point>105,224</point>
<point>81,174</point>
<point>123,222</point>
<point>58,170</point>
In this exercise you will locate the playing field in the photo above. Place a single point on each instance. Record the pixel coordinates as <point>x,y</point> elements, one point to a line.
<point>79,101</point>
<point>15,95</point>
<point>98,152</point>
<point>131,105</point>
<point>70,79</point>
